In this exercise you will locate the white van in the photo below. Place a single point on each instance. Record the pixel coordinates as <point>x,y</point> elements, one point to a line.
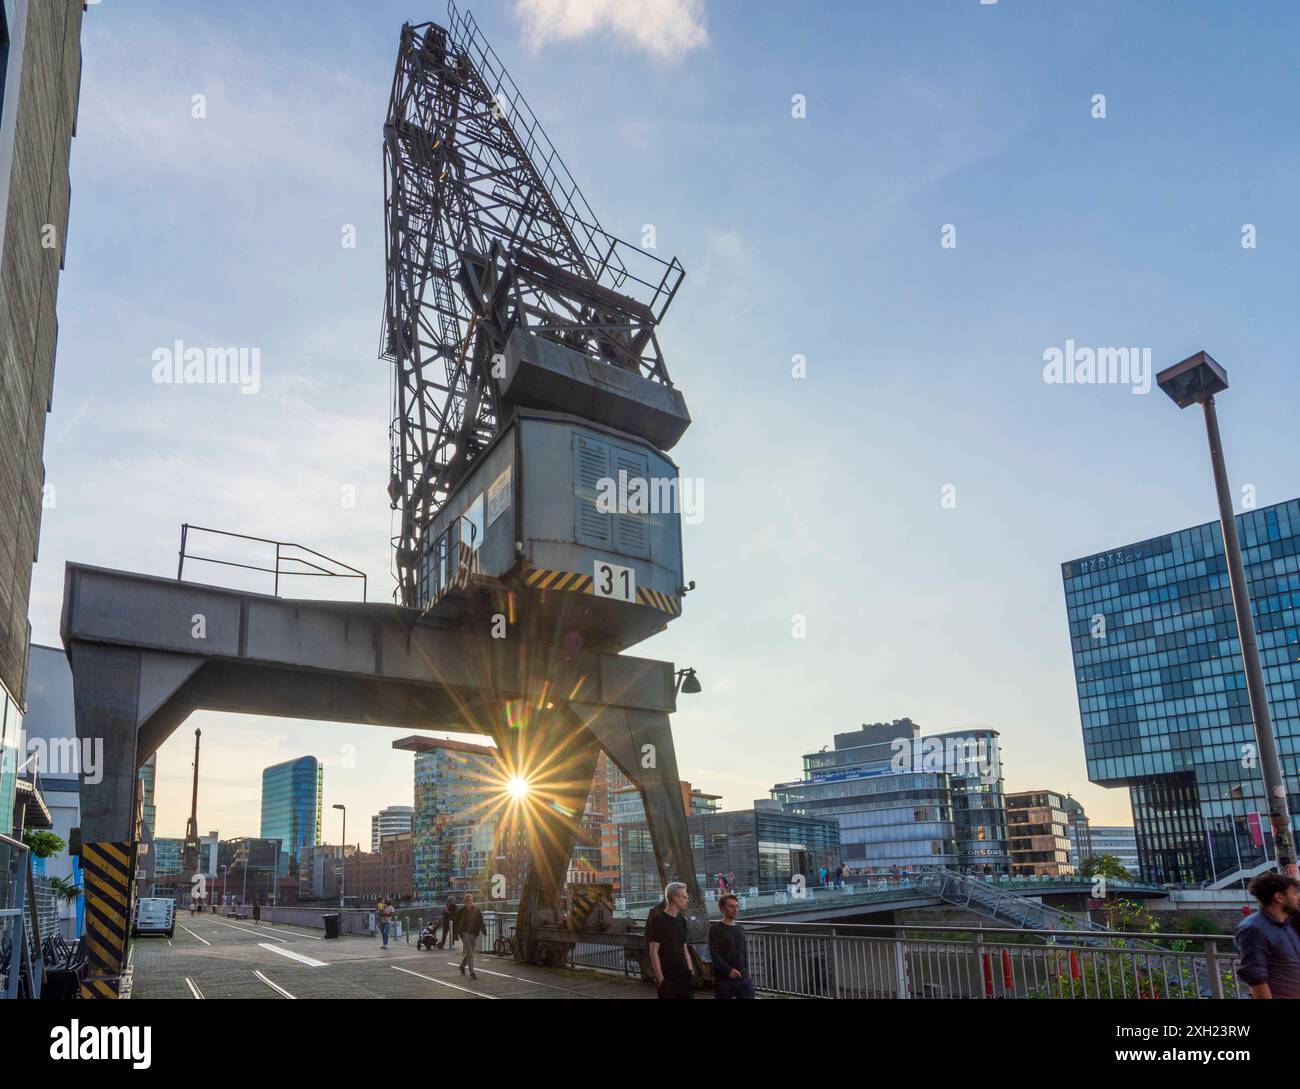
<point>154,915</point>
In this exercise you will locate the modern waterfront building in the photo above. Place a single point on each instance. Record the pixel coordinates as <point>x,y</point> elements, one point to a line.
<point>40,80</point>
<point>628,806</point>
<point>1040,834</point>
<point>292,797</point>
<point>1120,841</point>
<point>907,800</point>
<point>168,851</point>
<point>461,832</point>
<point>761,848</point>
<point>1162,694</point>
<point>389,821</point>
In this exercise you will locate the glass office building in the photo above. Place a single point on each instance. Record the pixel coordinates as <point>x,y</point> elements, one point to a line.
<point>757,848</point>
<point>1119,841</point>
<point>292,795</point>
<point>908,800</point>
<point>1162,693</point>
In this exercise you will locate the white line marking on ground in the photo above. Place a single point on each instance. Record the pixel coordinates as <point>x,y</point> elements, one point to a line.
<point>193,935</point>
<point>194,988</point>
<point>294,956</point>
<point>274,986</point>
<point>523,979</point>
<point>313,937</point>
<point>248,930</point>
<point>442,982</point>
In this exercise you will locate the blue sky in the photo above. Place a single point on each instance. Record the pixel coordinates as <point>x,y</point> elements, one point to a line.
<point>817,236</point>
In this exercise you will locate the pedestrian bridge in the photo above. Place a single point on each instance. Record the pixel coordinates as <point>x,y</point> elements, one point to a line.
<point>1013,901</point>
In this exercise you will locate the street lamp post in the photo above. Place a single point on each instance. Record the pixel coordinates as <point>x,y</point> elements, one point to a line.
<point>343,855</point>
<point>1195,381</point>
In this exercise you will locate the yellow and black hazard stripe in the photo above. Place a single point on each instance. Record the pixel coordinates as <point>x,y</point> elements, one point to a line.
<point>106,868</point>
<point>101,987</point>
<point>665,603</point>
<point>540,578</point>
<point>584,899</point>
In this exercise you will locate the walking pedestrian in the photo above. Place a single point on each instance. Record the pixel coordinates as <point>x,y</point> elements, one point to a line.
<point>729,953</point>
<point>666,934</point>
<point>1266,940</point>
<point>448,918</point>
<point>469,925</point>
<point>386,913</point>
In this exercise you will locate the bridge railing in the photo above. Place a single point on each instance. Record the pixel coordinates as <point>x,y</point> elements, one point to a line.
<point>819,960</point>
<point>944,962</point>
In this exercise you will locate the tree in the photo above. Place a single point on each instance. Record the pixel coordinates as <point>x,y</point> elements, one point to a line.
<point>41,843</point>
<point>1107,866</point>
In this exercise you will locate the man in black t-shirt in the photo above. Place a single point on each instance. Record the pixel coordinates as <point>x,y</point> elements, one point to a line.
<point>666,935</point>
<point>729,953</point>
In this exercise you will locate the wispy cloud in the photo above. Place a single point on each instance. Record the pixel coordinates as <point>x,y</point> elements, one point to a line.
<point>665,29</point>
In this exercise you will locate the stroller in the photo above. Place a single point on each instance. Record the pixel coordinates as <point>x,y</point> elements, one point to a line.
<point>428,938</point>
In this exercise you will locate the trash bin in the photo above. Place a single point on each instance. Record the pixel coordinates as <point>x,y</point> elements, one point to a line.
<point>331,925</point>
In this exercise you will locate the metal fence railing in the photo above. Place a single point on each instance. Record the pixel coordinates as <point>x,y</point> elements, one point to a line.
<point>859,961</point>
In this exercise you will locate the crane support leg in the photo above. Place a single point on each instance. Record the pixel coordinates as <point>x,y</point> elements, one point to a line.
<point>640,742</point>
<point>116,692</point>
<point>557,758</point>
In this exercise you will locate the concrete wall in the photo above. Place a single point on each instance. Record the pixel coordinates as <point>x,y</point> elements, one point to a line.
<point>41,82</point>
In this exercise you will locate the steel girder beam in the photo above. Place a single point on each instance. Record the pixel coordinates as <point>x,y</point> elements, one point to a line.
<point>146,652</point>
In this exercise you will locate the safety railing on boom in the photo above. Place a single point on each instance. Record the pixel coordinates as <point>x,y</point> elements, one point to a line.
<point>290,560</point>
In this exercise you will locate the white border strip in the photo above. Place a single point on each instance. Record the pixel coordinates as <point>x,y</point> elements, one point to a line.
<point>192,934</point>
<point>442,982</point>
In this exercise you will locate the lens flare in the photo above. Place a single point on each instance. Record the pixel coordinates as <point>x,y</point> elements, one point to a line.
<point>518,787</point>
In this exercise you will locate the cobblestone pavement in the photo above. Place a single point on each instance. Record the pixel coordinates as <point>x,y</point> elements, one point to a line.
<point>211,957</point>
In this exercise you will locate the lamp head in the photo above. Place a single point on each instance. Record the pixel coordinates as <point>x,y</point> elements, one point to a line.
<point>1193,380</point>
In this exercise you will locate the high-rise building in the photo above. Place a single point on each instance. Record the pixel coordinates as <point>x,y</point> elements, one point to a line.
<point>148,775</point>
<point>906,799</point>
<point>390,821</point>
<point>463,830</point>
<point>292,797</point>
<point>1162,692</point>
<point>40,79</point>
<point>1040,834</point>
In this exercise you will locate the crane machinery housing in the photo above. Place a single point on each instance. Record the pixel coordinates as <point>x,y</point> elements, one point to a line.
<point>528,374</point>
